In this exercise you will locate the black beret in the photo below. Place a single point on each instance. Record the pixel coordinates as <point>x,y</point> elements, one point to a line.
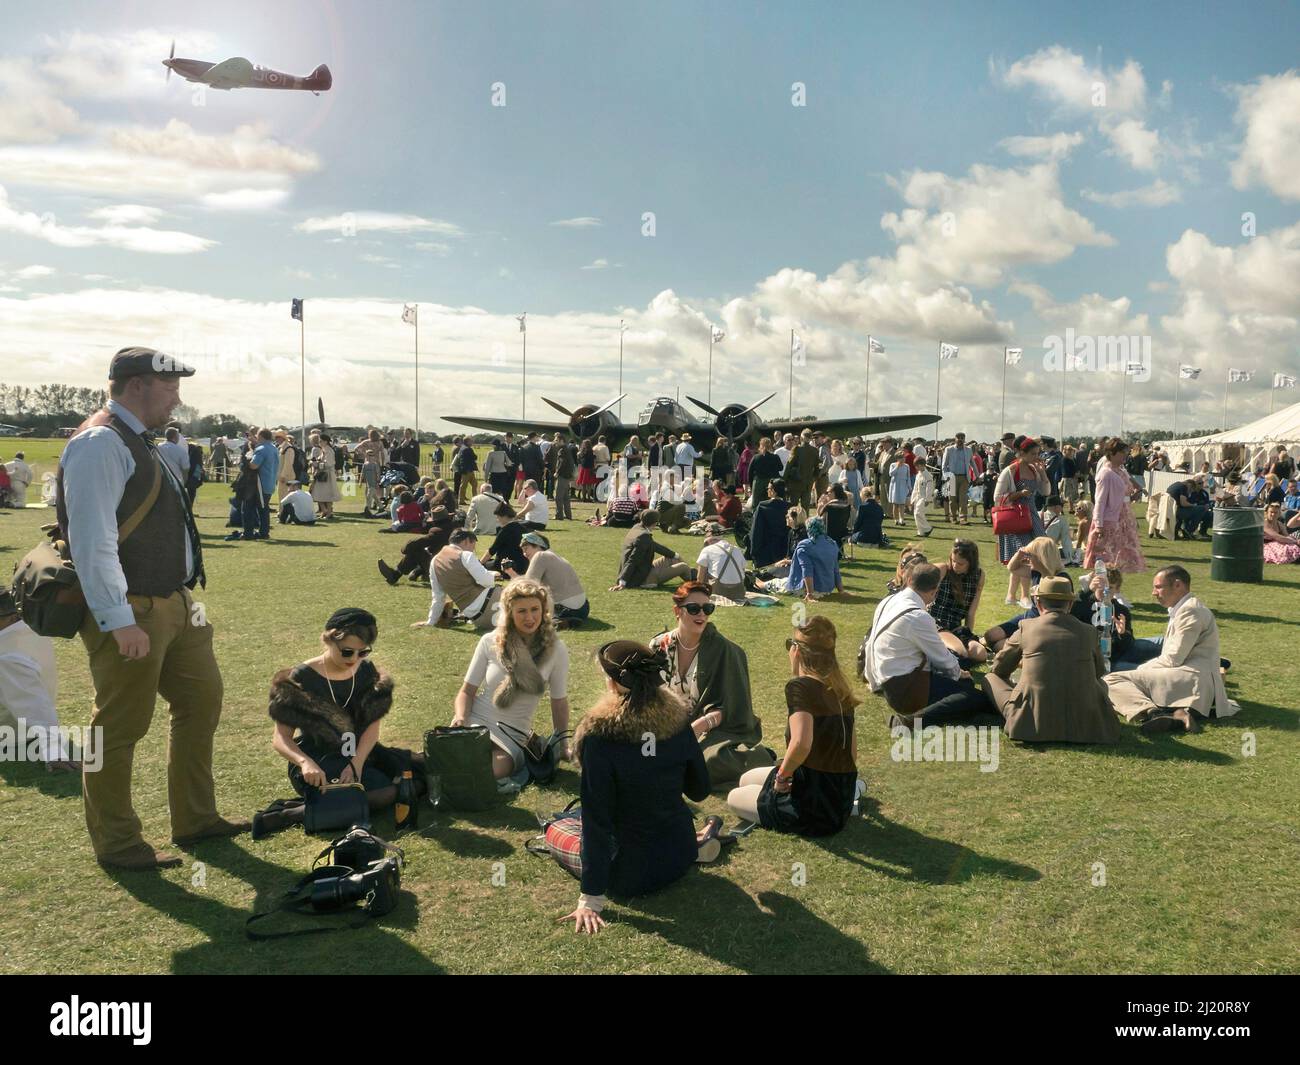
<point>136,362</point>
<point>350,617</point>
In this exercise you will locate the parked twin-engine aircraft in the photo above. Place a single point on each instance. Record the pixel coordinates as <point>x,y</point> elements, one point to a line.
<point>735,422</point>
<point>239,73</point>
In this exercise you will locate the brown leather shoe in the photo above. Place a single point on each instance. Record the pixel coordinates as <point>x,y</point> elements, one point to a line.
<point>1179,720</point>
<point>219,829</point>
<point>139,857</point>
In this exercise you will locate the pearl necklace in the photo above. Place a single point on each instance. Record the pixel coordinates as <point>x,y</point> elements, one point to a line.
<point>682,645</point>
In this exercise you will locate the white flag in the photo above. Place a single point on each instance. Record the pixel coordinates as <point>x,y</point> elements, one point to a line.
<point>1013,356</point>
<point>1189,373</point>
<point>410,313</point>
<point>520,319</point>
<point>875,346</point>
<point>1072,361</point>
<point>1282,380</point>
<point>1236,376</point>
<point>796,343</point>
<point>718,335</point>
<point>948,351</point>
<point>1133,369</point>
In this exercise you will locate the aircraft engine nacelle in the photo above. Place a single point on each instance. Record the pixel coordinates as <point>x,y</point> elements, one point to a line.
<point>736,421</point>
<point>589,422</point>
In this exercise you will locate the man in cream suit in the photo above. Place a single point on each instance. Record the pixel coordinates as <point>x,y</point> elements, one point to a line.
<point>1172,691</point>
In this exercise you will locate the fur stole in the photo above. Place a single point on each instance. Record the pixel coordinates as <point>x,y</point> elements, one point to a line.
<point>291,704</point>
<point>611,719</point>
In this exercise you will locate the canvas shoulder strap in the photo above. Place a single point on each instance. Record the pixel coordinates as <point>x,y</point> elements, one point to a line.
<point>133,520</point>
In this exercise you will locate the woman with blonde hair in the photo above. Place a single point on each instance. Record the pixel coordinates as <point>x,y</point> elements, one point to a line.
<point>512,667</point>
<point>811,792</point>
<point>1039,558</point>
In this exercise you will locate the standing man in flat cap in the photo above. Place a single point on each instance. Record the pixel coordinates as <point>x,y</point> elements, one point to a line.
<point>136,548</point>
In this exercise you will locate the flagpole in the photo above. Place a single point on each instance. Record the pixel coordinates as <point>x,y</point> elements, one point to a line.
<point>938,383</point>
<point>1225,400</point>
<point>523,390</point>
<point>1271,393</point>
<point>791,373</point>
<point>1178,388</point>
<point>417,373</point>
<point>1003,424</point>
<point>302,364</point>
<point>710,391</point>
<point>1123,395</point>
<point>866,410</point>
<point>1064,377</point>
<point>620,368</point>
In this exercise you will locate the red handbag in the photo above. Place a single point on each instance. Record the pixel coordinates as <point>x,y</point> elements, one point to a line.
<point>1010,519</point>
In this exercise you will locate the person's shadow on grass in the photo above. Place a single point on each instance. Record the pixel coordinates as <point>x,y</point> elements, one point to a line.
<point>894,850</point>
<point>469,834</point>
<point>713,916</point>
<point>228,949</point>
<point>35,775</point>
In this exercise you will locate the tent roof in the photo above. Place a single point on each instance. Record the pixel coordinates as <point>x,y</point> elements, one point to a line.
<point>1280,427</point>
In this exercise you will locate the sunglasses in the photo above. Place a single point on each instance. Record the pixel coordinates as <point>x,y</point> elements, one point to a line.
<point>348,652</point>
<point>699,608</point>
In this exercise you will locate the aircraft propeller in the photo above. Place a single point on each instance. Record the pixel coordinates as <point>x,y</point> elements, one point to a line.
<point>731,422</point>
<point>583,416</point>
<point>170,56</point>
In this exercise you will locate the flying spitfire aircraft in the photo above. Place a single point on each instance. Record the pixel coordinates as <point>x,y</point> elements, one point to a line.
<point>239,73</point>
<point>736,422</point>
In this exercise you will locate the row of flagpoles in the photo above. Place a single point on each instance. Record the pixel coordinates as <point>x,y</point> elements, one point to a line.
<point>946,352</point>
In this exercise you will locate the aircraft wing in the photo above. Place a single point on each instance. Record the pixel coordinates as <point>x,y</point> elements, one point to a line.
<point>518,426</point>
<point>848,427</point>
<point>230,73</point>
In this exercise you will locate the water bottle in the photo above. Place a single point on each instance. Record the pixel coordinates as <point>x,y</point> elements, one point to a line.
<point>1102,612</point>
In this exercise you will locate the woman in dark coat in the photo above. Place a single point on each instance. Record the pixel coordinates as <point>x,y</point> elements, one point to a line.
<point>767,535</point>
<point>637,834</point>
<point>327,712</point>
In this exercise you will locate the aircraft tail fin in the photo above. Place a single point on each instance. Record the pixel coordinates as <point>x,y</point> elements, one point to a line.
<point>320,78</point>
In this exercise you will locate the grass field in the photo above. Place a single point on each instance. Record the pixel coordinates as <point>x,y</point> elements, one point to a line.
<point>954,870</point>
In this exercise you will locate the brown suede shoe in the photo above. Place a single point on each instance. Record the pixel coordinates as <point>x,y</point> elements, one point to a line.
<point>1180,720</point>
<point>139,857</point>
<point>219,829</point>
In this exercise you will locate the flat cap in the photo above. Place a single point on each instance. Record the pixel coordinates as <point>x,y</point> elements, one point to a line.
<point>136,362</point>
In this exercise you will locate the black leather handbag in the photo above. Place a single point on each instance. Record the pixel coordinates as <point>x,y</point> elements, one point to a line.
<point>336,805</point>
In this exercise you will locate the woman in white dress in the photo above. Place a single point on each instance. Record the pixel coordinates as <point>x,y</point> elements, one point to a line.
<point>512,668</point>
<point>326,493</point>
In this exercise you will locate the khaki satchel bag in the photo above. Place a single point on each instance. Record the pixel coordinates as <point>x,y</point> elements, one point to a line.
<point>45,584</point>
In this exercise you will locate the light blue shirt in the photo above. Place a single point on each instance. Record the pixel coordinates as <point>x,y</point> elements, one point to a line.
<point>818,559</point>
<point>96,466</point>
<point>956,460</point>
<point>266,461</point>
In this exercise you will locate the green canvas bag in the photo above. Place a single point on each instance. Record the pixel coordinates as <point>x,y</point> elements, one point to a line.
<point>458,768</point>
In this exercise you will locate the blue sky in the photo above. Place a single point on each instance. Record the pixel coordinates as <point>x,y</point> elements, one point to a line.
<point>683,110</point>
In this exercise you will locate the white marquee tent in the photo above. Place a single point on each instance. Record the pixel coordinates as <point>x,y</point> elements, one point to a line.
<point>1254,442</point>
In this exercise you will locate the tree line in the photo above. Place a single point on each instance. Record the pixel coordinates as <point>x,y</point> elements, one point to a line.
<point>46,408</point>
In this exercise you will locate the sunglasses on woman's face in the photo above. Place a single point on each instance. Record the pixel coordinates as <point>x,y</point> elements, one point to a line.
<point>699,608</point>
<point>348,652</point>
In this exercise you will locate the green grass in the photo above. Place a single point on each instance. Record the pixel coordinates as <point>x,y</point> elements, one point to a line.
<point>955,870</point>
